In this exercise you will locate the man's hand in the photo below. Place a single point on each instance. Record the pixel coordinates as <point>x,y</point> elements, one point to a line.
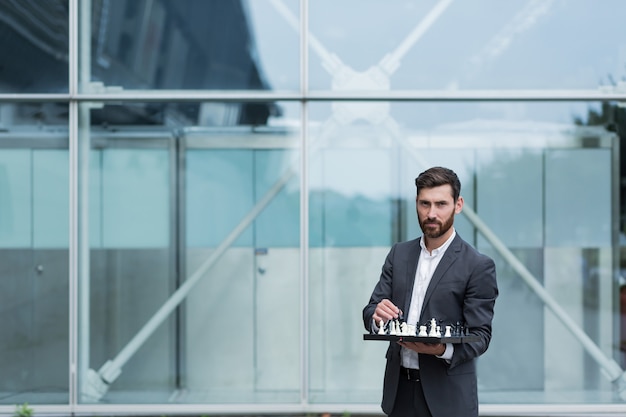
<point>436,349</point>
<point>385,311</point>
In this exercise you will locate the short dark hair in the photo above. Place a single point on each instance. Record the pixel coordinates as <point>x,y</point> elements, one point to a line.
<point>437,176</point>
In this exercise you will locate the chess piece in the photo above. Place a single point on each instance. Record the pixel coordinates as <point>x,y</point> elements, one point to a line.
<point>458,329</point>
<point>392,327</point>
<point>448,332</point>
<point>422,332</point>
<point>403,329</point>
<point>381,327</point>
<point>433,328</point>
<point>438,331</point>
<point>411,330</point>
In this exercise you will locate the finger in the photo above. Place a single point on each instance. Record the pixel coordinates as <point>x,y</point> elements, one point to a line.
<point>381,313</point>
<point>386,313</point>
<point>389,309</point>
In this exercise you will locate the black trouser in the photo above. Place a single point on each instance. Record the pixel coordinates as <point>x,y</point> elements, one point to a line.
<point>410,399</point>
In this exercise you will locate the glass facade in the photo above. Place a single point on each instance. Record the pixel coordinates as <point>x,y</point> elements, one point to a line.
<point>197,196</point>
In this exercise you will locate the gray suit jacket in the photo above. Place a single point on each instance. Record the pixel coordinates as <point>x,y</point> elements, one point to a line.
<point>463,288</point>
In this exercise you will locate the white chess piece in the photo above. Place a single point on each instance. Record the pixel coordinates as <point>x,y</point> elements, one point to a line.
<point>433,328</point>
<point>422,331</point>
<point>438,332</point>
<point>392,327</point>
<point>411,330</point>
<point>448,331</point>
<point>403,329</point>
<point>381,327</point>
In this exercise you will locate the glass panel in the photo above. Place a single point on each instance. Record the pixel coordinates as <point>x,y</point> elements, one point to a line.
<point>581,167</point>
<point>132,263</point>
<point>242,210</point>
<point>195,44</point>
<point>34,36</point>
<point>445,45</point>
<point>208,216</point>
<point>34,267</point>
<point>135,186</point>
<point>213,175</point>
<point>542,192</point>
<point>353,212</point>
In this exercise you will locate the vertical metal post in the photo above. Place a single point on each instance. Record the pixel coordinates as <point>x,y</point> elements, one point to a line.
<point>84,146</point>
<point>304,206</point>
<point>617,280</point>
<point>73,194</point>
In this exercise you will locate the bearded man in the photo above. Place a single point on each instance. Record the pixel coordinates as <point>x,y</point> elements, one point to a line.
<point>440,276</point>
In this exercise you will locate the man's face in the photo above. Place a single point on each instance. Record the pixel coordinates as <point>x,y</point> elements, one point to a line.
<point>436,209</point>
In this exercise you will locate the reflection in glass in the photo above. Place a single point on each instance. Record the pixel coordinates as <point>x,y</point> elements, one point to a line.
<point>542,194</point>
<point>242,308</point>
<point>184,234</point>
<point>132,265</point>
<point>192,44</point>
<point>445,45</point>
<point>35,35</point>
<point>34,213</point>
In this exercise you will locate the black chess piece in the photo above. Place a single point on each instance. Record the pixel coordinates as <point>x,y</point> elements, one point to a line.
<point>458,329</point>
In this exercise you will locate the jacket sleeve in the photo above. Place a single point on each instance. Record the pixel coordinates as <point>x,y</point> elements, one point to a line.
<point>382,290</point>
<point>478,309</point>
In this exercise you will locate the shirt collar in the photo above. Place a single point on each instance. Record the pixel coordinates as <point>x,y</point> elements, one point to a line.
<point>441,248</point>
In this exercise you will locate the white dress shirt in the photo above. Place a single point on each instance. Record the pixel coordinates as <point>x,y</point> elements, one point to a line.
<point>426,266</point>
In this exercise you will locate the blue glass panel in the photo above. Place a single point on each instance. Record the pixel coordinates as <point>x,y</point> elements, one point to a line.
<point>95,199</point>
<point>135,198</point>
<point>578,196</point>
<point>278,225</point>
<point>510,195</point>
<point>219,195</point>
<point>15,198</point>
<point>351,198</point>
<point>50,198</point>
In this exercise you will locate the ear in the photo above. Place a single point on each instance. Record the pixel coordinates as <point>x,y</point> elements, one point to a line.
<point>459,205</point>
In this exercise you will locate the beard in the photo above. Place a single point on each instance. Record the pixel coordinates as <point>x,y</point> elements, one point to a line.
<point>434,229</point>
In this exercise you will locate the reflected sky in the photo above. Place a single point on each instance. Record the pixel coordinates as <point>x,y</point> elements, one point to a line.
<point>445,45</point>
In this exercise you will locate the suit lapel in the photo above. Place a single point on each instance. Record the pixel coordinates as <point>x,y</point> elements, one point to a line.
<point>449,257</point>
<point>414,256</point>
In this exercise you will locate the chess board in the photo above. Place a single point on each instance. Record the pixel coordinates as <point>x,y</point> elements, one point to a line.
<point>397,330</point>
<point>423,339</point>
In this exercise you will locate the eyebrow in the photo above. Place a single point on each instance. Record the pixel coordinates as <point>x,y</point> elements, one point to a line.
<point>435,202</point>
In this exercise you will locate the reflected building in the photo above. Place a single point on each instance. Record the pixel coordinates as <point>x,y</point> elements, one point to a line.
<point>190,44</point>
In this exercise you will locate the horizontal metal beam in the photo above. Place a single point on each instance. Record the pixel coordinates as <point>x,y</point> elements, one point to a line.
<point>361,408</point>
<point>616,95</point>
